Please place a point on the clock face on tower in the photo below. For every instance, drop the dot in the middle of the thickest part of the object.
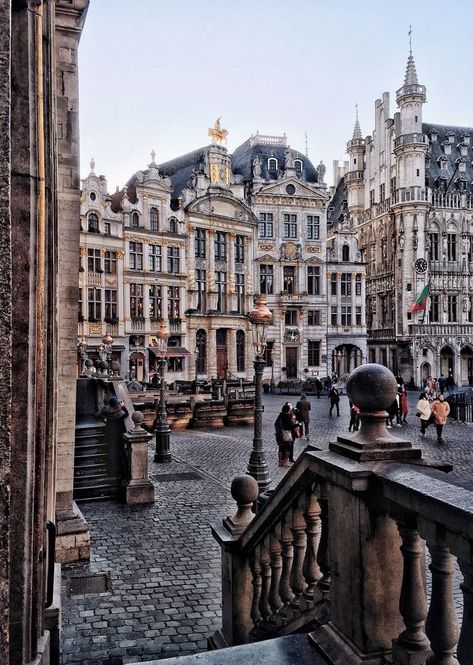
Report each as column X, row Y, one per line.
column 420, row 265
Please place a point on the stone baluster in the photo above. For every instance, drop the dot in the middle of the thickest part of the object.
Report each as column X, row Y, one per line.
column 300, row 542
column 465, row 643
column 310, row 568
column 256, row 572
column 323, row 553
column 285, row 591
column 442, row 626
column 275, row 553
column 265, row 565
column 413, row 601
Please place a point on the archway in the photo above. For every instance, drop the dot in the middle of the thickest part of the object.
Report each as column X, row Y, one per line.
column 447, row 361
column 466, row 366
column 345, row 358
column 136, row 366
column 426, row 371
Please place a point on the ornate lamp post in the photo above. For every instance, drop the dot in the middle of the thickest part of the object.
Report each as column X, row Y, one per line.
column 162, row 430
column 272, row 370
column 196, row 352
column 261, row 318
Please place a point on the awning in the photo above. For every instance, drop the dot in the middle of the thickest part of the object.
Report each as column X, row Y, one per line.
column 172, row 352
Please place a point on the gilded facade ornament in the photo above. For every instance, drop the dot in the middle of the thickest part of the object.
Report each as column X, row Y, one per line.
column 83, row 251
column 95, row 329
column 120, row 254
column 217, row 133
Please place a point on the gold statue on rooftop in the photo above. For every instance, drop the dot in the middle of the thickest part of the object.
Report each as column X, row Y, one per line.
column 218, row 134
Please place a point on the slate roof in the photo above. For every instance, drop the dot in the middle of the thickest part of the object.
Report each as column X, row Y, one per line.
column 243, row 156
column 181, row 168
column 338, row 204
column 436, row 149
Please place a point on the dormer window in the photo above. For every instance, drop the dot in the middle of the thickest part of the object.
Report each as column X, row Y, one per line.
column 135, row 219
column 463, row 149
column 466, row 139
column 298, row 165
column 443, row 162
column 345, row 253
column 433, row 135
column 461, row 166
column 450, row 137
column 92, row 196
column 447, row 147
column 272, row 164
column 173, row 225
column 153, row 219
column 93, row 223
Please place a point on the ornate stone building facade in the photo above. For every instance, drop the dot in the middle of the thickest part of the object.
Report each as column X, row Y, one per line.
column 191, row 242
column 407, row 192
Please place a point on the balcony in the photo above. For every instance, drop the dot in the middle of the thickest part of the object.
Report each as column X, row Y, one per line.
column 410, row 139
column 381, row 333
column 445, row 266
column 411, row 195
column 138, row 324
column 94, row 278
column 456, row 201
column 354, row 176
column 286, row 298
column 175, row 325
column 441, row 329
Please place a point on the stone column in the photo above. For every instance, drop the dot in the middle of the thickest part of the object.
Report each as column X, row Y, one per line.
column 72, row 530
column 231, row 290
column 137, row 488
column 231, row 351
column 339, row 299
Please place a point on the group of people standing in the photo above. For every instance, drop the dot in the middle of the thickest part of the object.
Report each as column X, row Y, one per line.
column 291, row 423
column 432, row 410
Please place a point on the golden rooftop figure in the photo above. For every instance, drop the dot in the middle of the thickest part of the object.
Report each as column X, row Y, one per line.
column 217, row 133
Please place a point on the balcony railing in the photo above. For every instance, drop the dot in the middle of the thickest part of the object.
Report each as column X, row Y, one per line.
column 410, row 139
column 381, row 333
column 441, row 329
column 95, row 278
column 292, row 298
column 369, row 526
column 175, row 325
column 411, row 194
column 352, row 176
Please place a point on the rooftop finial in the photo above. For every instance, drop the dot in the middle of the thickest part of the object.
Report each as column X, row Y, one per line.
column 153, row 156
column 411, row 74
column 357, row 129
column 306, row 145
column 218, row 134
column 410, row 39
column 92, row 165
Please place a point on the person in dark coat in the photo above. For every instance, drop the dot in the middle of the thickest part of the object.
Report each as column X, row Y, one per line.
column 302, row 414
column 318, row 387
column 284, row 428
column 115, row 414
column 334, row 398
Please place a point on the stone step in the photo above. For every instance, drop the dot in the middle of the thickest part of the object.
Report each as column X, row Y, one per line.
column 290, row 650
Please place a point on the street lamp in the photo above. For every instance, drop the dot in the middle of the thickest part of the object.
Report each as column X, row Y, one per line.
column 196, row 352
column 260, row 318
column 272, row 370
column 162, row 429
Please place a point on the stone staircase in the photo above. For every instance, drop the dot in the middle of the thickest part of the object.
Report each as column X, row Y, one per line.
column 91, row 479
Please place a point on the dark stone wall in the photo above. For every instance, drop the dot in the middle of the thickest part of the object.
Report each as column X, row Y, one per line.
column 5, row 324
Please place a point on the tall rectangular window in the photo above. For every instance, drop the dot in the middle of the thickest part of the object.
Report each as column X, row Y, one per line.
column 94, row 260
column 313, row 227
column 333, row 315
column 199, row 243
column 313, row 280
column 95, row 304
column 266, row 278
column 153, row 219
column 136, row 255
column 358, row 285
column 174, row 299
column 290, row 225
column 155, row 259
column 345, row 284
column 289, row 278
column 240, row 351
column 200, row 282
column 221, row 286
column 110, row 262
column 451, row 246
column 452, row 308
column 313, row 350
column 358, row 316
column 111, row 312
column 240, row 292
column 333, row 284
column 313, row 317
column 265, row 226
column 107, row 228
column 136, row 301
column 155, row 302
column 220, row 246
column 434, row 315
column 173, row 260
column 290, row 317
column 434, row 247
column 346, row 315
column 239, row 249
column 382, row 192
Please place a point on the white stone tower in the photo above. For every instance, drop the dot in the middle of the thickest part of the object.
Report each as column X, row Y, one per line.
column 355, row 174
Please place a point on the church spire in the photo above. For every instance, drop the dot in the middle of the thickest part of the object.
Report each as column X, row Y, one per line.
column 357, row 129
column 411, row 74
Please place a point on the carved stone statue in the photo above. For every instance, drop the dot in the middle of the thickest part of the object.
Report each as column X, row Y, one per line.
column 288, row 158
column 321, row 169
column 257, row 167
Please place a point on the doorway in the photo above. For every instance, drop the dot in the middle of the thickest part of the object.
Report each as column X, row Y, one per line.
column 222, row 356
column 291, row 362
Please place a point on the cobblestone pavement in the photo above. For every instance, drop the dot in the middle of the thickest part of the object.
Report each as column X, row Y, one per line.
column 163, row 563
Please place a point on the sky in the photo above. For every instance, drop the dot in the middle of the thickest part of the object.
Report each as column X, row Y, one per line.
column 156, row 74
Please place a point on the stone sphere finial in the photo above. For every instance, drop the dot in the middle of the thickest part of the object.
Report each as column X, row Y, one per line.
column 115, row 366
column 89, row 363
column 244, row 489
column 103, row 365
column 137, row 417
column 372, row 387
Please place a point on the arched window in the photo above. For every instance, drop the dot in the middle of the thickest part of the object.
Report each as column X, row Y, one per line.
column 173, row 225
column 135, row 219
column 298, row 165
column 345, row 253
column 201, row 348
column 272, row 164
column 240, row 351
column 153, row 219
column 93, row 221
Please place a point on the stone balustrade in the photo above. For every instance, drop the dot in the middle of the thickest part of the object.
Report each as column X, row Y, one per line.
column 341, row 545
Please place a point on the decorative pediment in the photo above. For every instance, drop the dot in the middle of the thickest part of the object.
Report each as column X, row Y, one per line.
column 266, row 258
column 222, row 206
column 293, row 187
column 313, row 260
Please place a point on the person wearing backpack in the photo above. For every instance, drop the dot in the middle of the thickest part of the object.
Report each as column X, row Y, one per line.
column 284, row 426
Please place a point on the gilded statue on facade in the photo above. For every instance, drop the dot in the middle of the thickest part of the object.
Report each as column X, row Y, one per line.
column 218, row 134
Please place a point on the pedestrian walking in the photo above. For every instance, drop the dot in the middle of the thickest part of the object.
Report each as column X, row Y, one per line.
column 442, row 383
column 354, row 418
column 440, row 409
column 318, row 387
column 302, row 414
column 334, row 398
column 404, row 405
column 284, row 426
column 450, row 382
column 424, row 412
column 296, row 429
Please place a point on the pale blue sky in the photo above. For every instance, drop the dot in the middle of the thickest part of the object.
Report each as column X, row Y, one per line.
column 156, row 74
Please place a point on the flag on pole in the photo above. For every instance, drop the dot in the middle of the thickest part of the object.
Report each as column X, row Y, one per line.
column 420, row 304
